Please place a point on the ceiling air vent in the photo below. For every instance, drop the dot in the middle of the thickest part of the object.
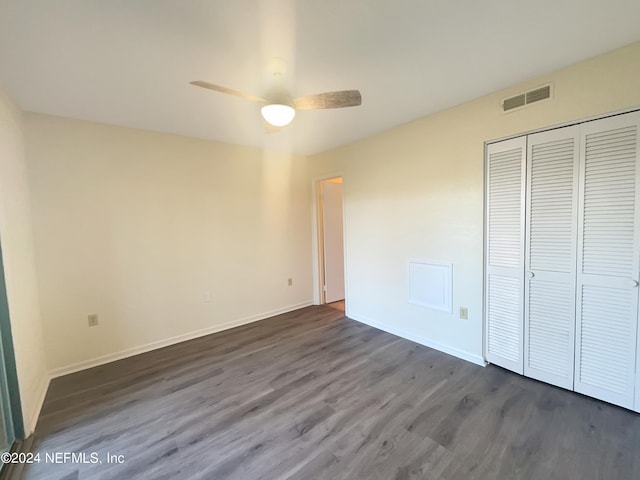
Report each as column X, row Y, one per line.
column 514, row 102
column 526, row 98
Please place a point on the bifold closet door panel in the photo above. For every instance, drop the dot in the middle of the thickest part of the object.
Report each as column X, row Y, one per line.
column 550, row 269
column 504, row 289
column 608, row 260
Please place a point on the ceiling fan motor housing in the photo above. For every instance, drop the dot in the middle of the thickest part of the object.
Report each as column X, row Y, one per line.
column 279, row 97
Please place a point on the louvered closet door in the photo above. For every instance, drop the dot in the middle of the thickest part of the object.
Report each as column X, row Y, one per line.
column 608, row 260
column 550, row 271
column 505, row 253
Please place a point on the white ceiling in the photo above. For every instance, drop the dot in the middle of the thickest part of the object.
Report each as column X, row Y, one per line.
column 128, row 62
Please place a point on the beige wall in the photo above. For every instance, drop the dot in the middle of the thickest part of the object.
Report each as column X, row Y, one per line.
column 19, row 268
column 137, row 226
column 417, row 192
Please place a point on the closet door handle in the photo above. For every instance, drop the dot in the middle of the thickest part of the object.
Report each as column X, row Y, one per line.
column 634, row 283
column 531, row 274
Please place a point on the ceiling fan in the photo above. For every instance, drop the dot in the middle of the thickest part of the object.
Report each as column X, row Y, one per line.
column 279, row 108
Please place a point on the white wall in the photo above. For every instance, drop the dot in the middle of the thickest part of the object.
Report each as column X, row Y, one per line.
column 136, row 226
column 417, row 192
column 19, row 268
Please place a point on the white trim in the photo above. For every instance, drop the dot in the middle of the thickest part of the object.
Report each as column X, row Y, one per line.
column 469, row 357
column 30, row 424
column 101, row 360
column 485, row 244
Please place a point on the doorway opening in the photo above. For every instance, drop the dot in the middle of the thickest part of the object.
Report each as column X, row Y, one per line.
column 331, row 242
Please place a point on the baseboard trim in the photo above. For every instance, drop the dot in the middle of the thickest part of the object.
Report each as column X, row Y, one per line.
column 130, row 352
column 35, row 415
column 469, row 357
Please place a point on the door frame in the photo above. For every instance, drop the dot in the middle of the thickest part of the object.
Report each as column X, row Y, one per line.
column 318, row 239
column 13, row 410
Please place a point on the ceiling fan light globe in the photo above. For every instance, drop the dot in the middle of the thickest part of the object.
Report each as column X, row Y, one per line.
column 277, row 114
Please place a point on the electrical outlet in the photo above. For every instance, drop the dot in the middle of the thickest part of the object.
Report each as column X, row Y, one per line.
column 290, row 282
column 93, row 320
column 464, row 313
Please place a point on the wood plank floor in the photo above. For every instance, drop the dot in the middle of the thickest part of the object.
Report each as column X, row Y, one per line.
column 314, row 395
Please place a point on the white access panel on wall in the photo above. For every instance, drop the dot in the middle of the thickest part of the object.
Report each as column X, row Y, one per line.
column 505, row 196
column 608, row 260
column 431, row 284
column 550, row 270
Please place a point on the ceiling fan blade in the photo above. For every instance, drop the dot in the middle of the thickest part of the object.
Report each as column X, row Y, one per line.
column 218, row 88
column 344, row 98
